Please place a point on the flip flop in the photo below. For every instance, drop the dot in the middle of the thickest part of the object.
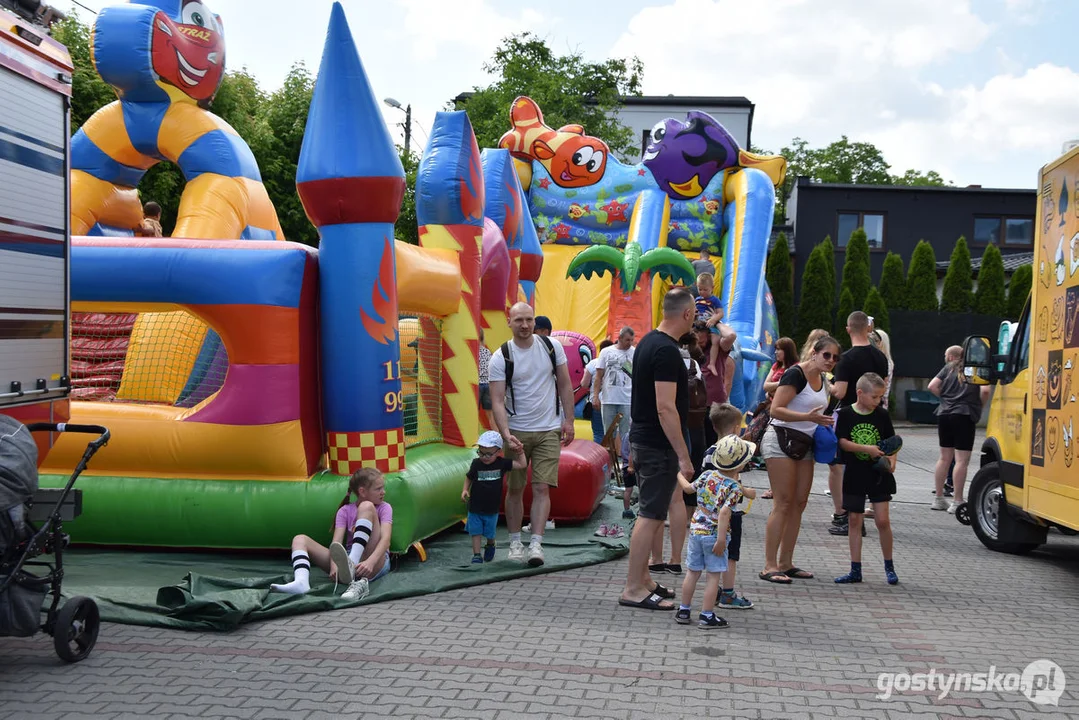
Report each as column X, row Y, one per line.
column 774, row 577
column 798, row 573
column 663, row 592
column 652, row 602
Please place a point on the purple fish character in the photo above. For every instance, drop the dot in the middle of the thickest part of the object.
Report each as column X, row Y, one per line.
column 684, row 156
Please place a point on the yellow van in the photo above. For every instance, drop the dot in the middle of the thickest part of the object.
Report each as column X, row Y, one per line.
column 1027, row 482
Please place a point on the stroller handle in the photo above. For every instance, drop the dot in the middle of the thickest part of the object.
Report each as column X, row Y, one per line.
column 102, row 432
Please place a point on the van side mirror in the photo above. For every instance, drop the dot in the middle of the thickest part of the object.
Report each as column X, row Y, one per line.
column 978, row 360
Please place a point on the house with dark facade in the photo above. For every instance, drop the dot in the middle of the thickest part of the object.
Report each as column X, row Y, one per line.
column 896, row 217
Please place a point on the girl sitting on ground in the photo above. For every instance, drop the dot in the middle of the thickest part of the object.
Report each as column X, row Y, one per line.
column 363, row 526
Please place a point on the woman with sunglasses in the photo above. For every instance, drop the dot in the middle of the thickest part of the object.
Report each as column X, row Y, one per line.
column 797, row 410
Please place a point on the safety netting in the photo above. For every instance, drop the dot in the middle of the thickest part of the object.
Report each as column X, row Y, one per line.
column 168, row 358
column 421, row 378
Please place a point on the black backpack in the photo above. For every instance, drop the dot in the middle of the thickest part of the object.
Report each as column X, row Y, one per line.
column 509, row 373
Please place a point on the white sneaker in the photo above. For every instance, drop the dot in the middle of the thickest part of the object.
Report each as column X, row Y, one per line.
column 339, row 557
column 535, row 555
column 952, row 506
column 939, row 503
column 517, row 551
column 357, row 590
column 527, row 529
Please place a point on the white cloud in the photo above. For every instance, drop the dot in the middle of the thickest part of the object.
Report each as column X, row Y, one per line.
column 877, row 72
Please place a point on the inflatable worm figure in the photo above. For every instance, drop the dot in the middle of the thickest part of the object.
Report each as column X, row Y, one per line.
column 166, row 60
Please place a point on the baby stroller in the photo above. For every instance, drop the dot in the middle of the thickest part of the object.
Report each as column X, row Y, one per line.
column 24, row 581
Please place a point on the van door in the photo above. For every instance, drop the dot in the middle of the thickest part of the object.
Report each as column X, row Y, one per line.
column 1009, row 409
column 1052, row 485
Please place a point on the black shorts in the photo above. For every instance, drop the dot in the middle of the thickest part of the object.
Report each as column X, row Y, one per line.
column 657, row 477
column 734, row 545
column 956, row 431
column 629, row 479
column 856, row 490
column 485, row 396
column 690, row 499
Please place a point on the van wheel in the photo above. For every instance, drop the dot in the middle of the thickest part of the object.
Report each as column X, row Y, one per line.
column 986, row 503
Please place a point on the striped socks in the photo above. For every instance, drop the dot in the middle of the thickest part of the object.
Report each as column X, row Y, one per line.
column 301, row 568
column 360, row 537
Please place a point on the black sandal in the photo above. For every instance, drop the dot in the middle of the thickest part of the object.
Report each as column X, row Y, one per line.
column 652, row 602
column 774, row 577
column 664, row 592
column 798, row 573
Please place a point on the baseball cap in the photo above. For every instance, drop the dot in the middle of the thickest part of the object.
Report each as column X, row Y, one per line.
column 543, row 323
column 732, row 453
column 490, row 439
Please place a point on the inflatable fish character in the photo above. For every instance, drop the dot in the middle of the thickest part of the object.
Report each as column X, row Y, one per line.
column 684, row 156
column 572, row 158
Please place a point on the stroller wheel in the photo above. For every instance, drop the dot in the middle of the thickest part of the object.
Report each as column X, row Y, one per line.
column 75, row 631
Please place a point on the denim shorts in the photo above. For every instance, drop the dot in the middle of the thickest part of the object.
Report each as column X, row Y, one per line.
column 484, row 525
column 699, row 555
column 385, row 569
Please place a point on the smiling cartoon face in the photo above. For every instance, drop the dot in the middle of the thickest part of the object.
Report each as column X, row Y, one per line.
column 579, row 352
column 577, row 161
column 685, row 156
column 189, row 53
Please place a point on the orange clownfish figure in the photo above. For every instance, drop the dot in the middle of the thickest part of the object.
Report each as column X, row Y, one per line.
column 572, row 158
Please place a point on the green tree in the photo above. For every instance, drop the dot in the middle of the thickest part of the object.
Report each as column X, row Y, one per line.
column 846, row 307
column 918, row 179
column 856, row 277
column 841, row 162
column 285, row 113
column 780, row 277
column 566, row 87
column 818, row 293
column 922, row 279
column 990, row 299
column 406, row 229
column 88, row 91
column 829, row 252
column 875, row 308
column 893, row 283
column 957, row 295
column 1019, row 290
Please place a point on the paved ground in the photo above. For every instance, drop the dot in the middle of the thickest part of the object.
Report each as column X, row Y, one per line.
column 558, row 646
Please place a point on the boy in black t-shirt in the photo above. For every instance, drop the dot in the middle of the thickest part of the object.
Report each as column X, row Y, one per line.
column 483, row 492
column 869, row 446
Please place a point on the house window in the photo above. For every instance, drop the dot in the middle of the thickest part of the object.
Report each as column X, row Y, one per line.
column 1004, row 231
column 872, row 223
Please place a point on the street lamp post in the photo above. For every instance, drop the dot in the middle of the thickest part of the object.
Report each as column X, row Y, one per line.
column 408, row 119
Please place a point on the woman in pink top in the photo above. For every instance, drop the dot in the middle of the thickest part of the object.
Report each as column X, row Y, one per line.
column 365, row 525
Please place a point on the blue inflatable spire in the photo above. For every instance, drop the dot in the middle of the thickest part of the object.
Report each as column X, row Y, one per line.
column 351, row 182
column 345, row 134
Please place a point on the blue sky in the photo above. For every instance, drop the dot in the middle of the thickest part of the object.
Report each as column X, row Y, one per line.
column 983, row 91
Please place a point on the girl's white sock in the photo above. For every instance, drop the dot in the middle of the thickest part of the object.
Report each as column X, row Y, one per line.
column 360, row 537
column 301, row 582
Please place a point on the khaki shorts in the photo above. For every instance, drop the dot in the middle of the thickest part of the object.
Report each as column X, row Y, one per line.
column 542, row 450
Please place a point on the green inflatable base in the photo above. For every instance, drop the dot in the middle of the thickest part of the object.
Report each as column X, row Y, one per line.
column 251, row 515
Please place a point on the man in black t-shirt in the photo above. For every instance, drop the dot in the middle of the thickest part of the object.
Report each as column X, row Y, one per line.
column 659, row 408
column 862, row 358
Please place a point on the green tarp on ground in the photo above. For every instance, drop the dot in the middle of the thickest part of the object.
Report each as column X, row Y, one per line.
column 191, row 591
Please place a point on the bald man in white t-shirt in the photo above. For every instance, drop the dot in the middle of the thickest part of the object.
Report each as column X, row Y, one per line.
column 535, row 417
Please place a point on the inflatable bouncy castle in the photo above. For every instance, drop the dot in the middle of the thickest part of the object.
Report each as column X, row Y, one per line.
column 634, row 224
column 245, row 377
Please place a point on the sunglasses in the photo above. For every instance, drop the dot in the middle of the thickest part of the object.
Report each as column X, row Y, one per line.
column 829, row 356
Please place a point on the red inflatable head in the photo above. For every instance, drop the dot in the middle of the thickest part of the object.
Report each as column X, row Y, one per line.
column 579, row 352
column 190, row 53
